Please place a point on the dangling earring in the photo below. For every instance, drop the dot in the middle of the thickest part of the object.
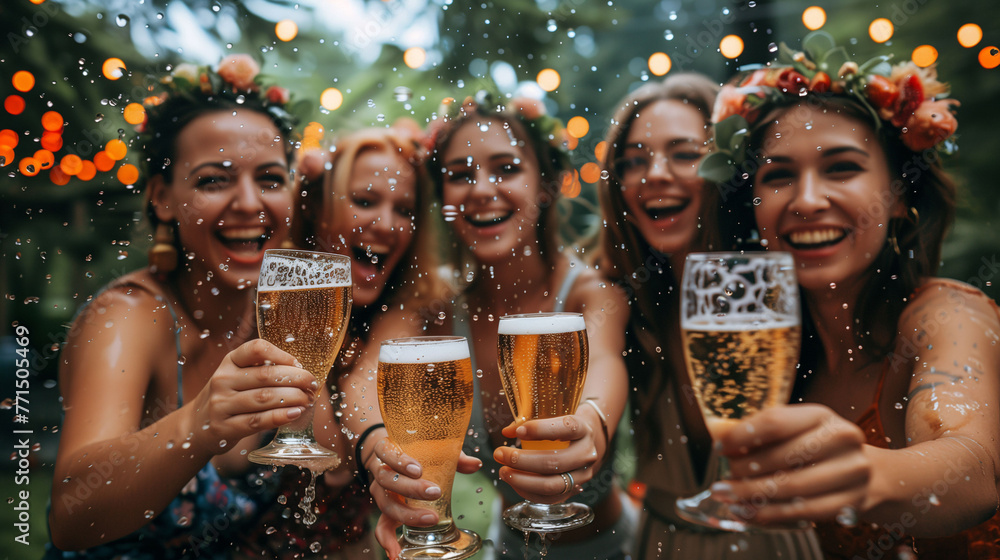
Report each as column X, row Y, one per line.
column 913, row 217
column 163, row 254
column 892, row 238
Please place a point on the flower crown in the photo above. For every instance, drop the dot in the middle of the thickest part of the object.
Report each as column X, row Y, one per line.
column 530, row 111
column 237, row 75
column 903, row 96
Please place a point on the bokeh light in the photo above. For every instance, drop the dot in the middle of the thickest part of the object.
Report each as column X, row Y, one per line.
column 14, row 104
column 52, row 141
column 590, row 172
column 924, row 55
column 88, row 171
column 103, row 162
column 6, row 155
column 601, row 150
column 578, row 127
column 414, row 57
column 880, row 30
column 969, row 35
column 331, row 99
column 659, row 63
column 813, row 17
column 731, row 46
column 116, row 149
column 52, row 121
column 134, row 113
column 58, row 176
column 989, row 57
column 71, row 164
column 548, row 79
column 29, row 167
column 23, row 81
column 113, row 68
column 286, row 30
column 45, row 159
column 128, row 174
column 8, row 138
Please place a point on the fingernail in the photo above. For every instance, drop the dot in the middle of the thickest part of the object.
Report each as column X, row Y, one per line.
column 298, row 364
column 434, row 492
column 427, row 518
column 314, row 385
column 413, row 470
column 723, row 492
column 521, row 431
column 295, row 412
column 514, row 456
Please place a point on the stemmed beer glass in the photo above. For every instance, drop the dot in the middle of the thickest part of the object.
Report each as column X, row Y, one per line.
column 425, row 396
column 543, row 361
column 742, row 332
column 303, row 307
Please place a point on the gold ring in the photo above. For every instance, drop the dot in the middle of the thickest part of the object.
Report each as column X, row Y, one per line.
column 568, row 481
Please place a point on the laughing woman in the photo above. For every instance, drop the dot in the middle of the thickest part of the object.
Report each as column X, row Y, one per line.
column 162, row 392
column 498, row 173
column 897, row 436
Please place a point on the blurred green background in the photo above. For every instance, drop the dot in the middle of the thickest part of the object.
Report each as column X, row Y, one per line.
column 60, row 243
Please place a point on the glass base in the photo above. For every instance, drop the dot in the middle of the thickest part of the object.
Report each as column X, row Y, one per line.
column 462, row 544
column 304, row 454
column 701, row 509
column 545, row 518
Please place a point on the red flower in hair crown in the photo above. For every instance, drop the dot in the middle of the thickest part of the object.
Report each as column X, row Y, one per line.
column 905, row 97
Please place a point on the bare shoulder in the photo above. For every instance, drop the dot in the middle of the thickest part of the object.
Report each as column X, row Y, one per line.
column 134, row 303
column 948, row 305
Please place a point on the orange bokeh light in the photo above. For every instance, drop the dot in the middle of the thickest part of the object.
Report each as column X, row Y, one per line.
column 45, row 158
column 52, row 121
column 6, row 155
column 989, row 57
column 813, row 17
column 286, row 30
column 113, row 68
column 601, row 150
column 578, row 127
column 924, row 55
column 548, row 79
column 969, row 35
column 880, row 30
column 128, row 174
column 14, row 104
column 52, row 141
column 58, row 176
column 23, row 80
column 134, row 113
column 8, row 138
column 103, row 161
column 88, row 171
column 590, row 172
column 659, row 63
column 331, row 99
column 71, row 164
column 116, row 149
column 414, row 57
column 731, row 46
column 29, row 166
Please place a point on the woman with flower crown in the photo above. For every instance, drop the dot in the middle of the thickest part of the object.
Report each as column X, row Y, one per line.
column 164, row 384
column 656, row 210
column 497, row 172
column 373, row 204
column 892, row 445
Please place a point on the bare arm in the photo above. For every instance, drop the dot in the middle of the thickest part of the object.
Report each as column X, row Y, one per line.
column 122, row 458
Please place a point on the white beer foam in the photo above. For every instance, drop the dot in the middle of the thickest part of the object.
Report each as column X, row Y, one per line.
column 287, row 273
column 542, row 324
column 417, row 351
column 738, row 323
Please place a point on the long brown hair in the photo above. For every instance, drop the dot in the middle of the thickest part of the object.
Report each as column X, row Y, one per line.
column 626, row 258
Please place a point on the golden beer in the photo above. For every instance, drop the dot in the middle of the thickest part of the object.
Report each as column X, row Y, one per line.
column 740, row 369
column 543, row 365
column 303, row 307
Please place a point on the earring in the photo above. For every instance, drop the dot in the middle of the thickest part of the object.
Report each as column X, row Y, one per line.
column 163, row 253
column 893, row 241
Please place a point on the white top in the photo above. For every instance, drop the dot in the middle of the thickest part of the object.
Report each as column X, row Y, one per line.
column 416, row 351
column 545, row 323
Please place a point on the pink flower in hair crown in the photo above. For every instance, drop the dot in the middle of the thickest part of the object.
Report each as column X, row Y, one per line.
column 931, row 123
column 239, row 70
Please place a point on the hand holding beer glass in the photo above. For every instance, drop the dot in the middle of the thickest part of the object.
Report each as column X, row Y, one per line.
column 303, row 306
column 425, row 396
column 543, row 366
column 741, row 329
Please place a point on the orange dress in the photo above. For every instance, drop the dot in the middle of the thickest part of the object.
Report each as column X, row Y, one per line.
column 873, row 541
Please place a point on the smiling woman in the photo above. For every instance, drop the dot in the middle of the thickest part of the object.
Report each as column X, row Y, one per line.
column 163, row 394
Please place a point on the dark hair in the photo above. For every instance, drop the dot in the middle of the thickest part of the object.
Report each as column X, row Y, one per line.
column 167, row 120
column 552, row 160
column 920, row 183
column 624, row 253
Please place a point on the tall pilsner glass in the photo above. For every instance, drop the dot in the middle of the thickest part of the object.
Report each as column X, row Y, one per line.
column 303, row 306
column 742, row 331
column 425, row 395
column 543, row 366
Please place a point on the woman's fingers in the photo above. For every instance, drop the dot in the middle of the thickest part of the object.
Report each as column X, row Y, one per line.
column 544, row 489
column 839, row 474
column 385, row 534
column 467, row 464
column 561, row 428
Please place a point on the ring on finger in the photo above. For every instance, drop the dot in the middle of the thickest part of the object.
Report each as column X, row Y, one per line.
column 567, row 481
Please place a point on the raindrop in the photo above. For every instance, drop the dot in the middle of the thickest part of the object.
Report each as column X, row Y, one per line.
column 99, row 117
column 402, row 93
column 271, row 530
column 315, row 546
column 672, row 16
column 833, row 285
column 184, row 521
column 934, row 500
column 756, row 201
column 170, row 445
column 371, row 103
column 551, row 26
column 668, row 35
column 182, row 360
column 847, row 516
column 899, row 406
column 149, row 514
column 380, row 117
column 282, row 500
column 222, row 443
column 122, row 20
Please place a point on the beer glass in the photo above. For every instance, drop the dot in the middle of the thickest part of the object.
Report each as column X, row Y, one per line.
column 303, row 307
column 425, row 395
column 543, row 365
column 741, row 334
